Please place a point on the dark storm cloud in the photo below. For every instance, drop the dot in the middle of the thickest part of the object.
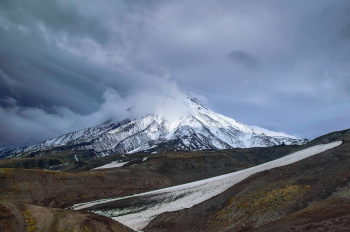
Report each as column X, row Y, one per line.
column 66, row 17
column 243, row 58
column 66, row 65
column 303, row 56
column 68, row 52
column 346, row 31
column 57, row 61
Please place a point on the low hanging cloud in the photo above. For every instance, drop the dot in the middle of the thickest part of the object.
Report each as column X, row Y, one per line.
column 23, row 125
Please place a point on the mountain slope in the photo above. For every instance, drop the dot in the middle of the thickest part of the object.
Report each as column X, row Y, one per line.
column 310, row 195
column 138, row 210
column 197, row 129
column 18, row 217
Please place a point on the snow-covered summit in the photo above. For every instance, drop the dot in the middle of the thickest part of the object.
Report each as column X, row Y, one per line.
column 193, row 127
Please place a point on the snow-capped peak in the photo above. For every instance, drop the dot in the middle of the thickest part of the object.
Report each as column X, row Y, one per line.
column 178, row 125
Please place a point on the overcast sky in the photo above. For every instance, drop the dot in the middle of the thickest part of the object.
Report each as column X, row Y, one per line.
column 69, row 64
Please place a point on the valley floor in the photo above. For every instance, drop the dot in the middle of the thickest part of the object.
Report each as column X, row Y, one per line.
column 138, row 210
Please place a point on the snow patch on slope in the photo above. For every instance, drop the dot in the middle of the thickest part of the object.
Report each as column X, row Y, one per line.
column 114, row 164
column 273, row 133
column 186, row 195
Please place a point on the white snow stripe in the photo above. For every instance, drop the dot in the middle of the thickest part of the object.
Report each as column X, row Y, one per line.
column 114, row 164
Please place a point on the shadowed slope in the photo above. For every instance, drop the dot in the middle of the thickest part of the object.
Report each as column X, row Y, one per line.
column 273, row 194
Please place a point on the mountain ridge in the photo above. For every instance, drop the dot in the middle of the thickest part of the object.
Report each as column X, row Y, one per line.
column 199, row 128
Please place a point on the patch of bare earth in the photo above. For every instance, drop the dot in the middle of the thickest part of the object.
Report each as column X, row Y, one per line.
column 329, row 215
column 24, row 217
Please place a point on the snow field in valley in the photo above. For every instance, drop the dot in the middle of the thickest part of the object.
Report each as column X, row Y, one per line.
column 144, row 207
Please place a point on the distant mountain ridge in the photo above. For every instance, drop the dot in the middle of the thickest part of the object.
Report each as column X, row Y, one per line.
column 200, row 128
